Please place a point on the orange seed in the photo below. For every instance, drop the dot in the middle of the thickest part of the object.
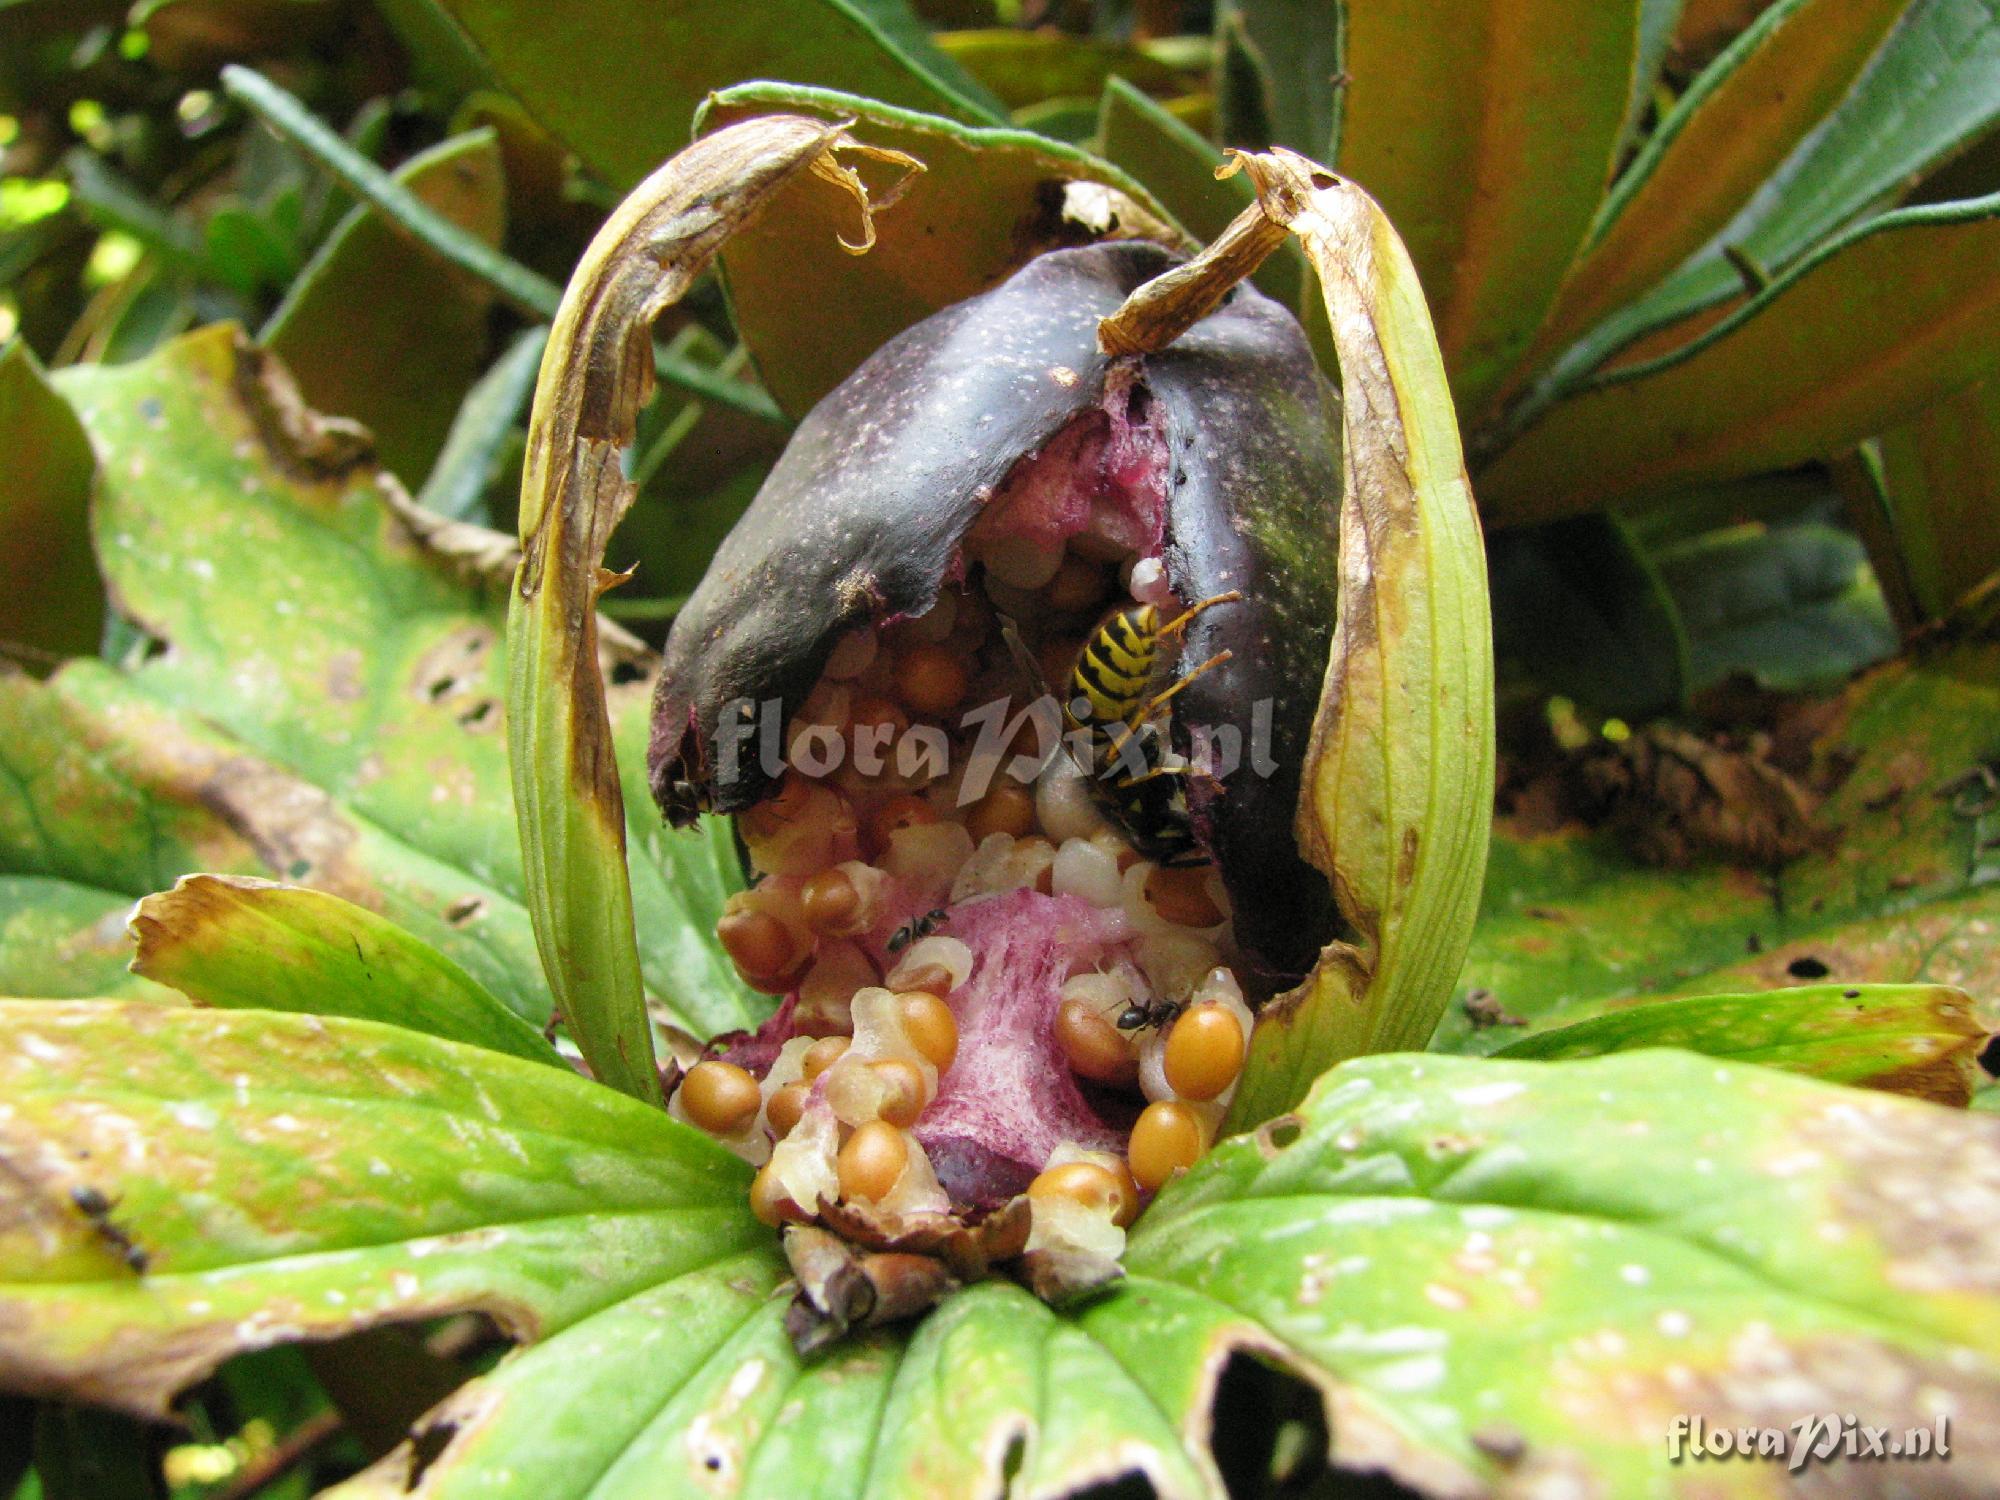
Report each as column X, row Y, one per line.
column 871, row 1161
column 1166, row 1139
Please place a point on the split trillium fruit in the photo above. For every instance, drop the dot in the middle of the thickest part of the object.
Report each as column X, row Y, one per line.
column 1008, row 674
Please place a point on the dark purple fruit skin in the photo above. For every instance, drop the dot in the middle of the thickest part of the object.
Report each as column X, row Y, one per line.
column 863, row 516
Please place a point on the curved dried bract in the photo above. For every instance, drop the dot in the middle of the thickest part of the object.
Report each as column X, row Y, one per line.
column 596, row 375
column 1399, row 781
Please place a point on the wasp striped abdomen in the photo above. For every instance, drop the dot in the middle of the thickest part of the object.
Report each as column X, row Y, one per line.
column 1136, row 779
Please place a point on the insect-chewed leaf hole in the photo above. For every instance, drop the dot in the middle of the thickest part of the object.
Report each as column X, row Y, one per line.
column 1268, row 1430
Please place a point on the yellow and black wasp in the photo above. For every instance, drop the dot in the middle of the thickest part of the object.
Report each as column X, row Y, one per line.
column 1136, row 780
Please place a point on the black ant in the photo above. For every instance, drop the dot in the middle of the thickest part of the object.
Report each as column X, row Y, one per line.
column 922, row 927
column 96, row 1208
column 1149, row 1013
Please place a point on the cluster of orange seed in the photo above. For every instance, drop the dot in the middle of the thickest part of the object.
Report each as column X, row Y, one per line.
column 857, row 872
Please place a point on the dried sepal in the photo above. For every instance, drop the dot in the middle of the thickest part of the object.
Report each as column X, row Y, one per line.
column 1398, row 783
column 596, row 375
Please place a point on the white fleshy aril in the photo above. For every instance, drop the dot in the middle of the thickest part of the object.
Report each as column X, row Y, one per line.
column 803, row 1163
column 1149, row 584
column 852, row 655
column 1086, row 869
column 987, row 871
column 917, row 1189
column 1002, row 863
column 1175, row 960
column 836, row 973
column 1146, row 917
column 1153, row 1065
column 1220, row 987
column 751, row 1142
column 787, row 1067
column 1064, row 1224
column 1217, row 987
column 853, row 1089
column 1132, row 896
column 870, row 886
column 1106, row 994
column 925, row 858
column 938, row 950
column 1063, row 802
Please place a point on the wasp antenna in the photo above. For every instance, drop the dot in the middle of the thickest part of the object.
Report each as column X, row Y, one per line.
column 1180, row 621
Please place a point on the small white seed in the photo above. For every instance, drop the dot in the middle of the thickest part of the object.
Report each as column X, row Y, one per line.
column 936, row 951
column 1063, row 802
column 1085, row 869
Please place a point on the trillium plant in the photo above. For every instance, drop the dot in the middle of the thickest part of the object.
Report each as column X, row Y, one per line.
column 1015, row 986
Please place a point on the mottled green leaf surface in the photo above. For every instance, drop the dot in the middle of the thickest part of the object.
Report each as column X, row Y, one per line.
column 1904, row 887
column 64, row 941
column 1917, row 1039
column 303, row 1176
column 811, row 311
column 244, row 944
column 104, row 786
column 1443, row 1246
column 1559, row 1260
column 51, row 602
column 360, row 666
column 649, row 67
column 381, row 329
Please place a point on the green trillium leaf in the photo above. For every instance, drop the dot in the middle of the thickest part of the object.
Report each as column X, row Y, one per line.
column 254, row 945
column 185, row 1184
column 1440, row 1246
column 66, row 941
column 51, row 603
column 110, row 789
column 1917, row 1039
column 359, row 747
